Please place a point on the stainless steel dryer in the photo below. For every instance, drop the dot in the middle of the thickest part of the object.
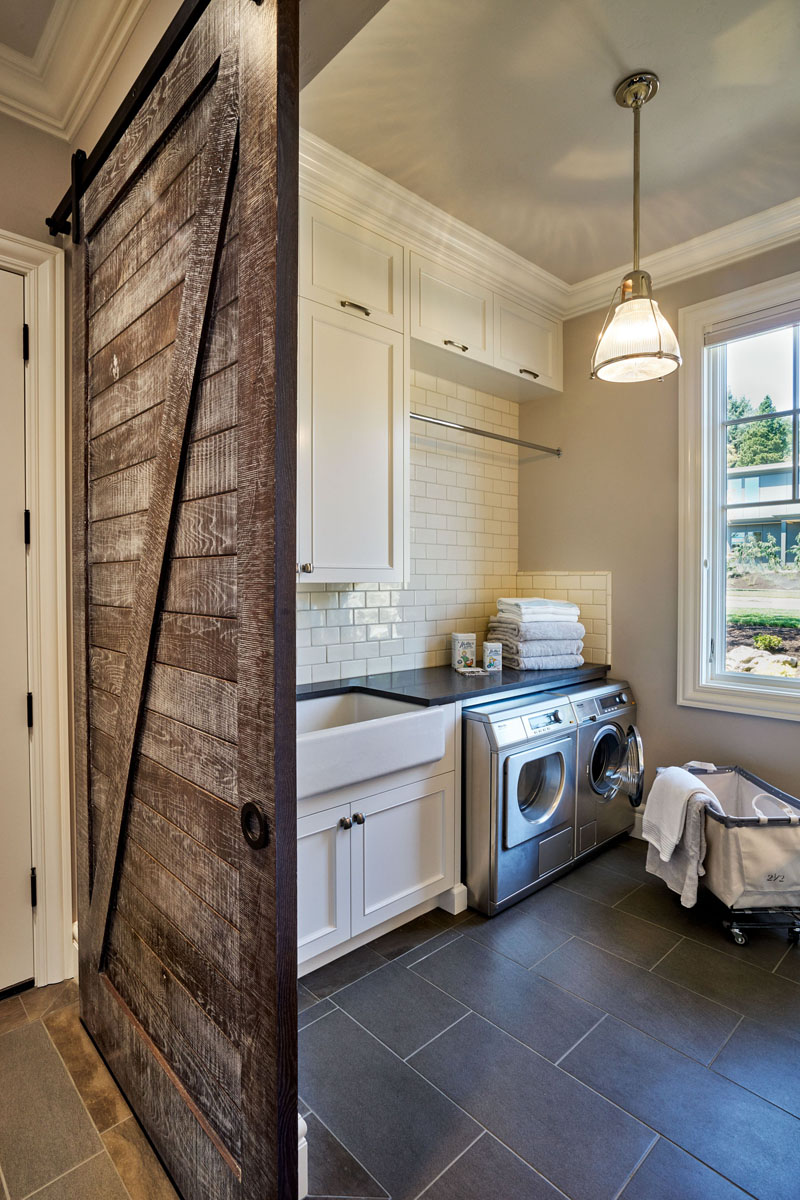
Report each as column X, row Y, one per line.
column 519, row 785
column 610, row 762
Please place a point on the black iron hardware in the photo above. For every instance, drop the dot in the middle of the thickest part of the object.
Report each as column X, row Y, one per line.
column 254, row 826
column 26, row 523
column 526, row 371
column 34, row 897
column 76, row 191
column 29, row 702
column 26, row 343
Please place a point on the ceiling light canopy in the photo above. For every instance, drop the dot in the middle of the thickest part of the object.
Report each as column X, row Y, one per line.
column 636, row 342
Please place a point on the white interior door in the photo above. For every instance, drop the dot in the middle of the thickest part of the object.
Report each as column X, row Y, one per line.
column 16, row 916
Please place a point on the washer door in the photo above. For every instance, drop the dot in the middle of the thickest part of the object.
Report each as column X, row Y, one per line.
column 616, row 763
column 535, row 793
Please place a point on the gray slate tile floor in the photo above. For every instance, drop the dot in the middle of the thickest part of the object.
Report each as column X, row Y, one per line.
column 596, row 1041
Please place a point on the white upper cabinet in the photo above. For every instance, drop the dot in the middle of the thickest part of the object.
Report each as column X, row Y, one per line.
column 451, row 310
column 527, row 344
column 351, row 455
column 347, row 266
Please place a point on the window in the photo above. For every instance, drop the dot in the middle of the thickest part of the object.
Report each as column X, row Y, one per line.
column 739, row 622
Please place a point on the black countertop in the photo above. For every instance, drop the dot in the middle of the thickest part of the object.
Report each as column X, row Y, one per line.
column 443, row 685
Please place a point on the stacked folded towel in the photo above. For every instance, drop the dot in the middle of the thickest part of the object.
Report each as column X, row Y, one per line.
column 538, row 634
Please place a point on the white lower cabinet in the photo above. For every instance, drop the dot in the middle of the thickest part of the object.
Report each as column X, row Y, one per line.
column 360, row 864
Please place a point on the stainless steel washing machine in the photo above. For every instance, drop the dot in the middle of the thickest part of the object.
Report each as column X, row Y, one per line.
column 610, row 762
column 519, row 784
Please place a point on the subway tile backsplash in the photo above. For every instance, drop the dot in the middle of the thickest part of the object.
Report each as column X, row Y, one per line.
column 464, row 522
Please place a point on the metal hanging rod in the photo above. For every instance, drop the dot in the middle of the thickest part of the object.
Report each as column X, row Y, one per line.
column 498, row 437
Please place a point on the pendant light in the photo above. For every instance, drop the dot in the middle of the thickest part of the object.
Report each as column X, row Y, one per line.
column 636, row 342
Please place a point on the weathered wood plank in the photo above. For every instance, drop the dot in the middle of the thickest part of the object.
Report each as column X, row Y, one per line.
column 198, row 643
column 158, row 275
column 206, row 527
column 103, row 711
column 125, row 492
column 202, row 585
column 108, row 627
column 204, row 817
column 222, row 1114
column 195, row 699
column 211, row 466
column 141, row 388
column 214, row 881
column 218, row 1056
column 124, row 445
column 173, row 209
column 215, row 407
column 228, row 281
column 215, row 994
column 105, row 669
column 117, row 539
column 113, row 583
column 149, row 333
column 202, row 759
column 213, row 936
column 221, row 348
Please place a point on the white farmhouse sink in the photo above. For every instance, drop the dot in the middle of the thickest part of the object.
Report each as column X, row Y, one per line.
column 349, row 738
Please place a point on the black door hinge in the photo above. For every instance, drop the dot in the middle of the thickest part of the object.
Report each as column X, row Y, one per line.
column 27, row 526
column 30, row 710
column 26, row 342
column 33, row 887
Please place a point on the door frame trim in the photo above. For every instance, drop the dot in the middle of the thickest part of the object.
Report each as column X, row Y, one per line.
column 42, row 269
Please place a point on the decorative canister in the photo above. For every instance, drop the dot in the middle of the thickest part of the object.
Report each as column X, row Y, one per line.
column 493, row 656
column 463, row 649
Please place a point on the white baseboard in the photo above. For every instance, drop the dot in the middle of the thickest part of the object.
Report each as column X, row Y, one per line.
column 302, row 1159
column 455, row 900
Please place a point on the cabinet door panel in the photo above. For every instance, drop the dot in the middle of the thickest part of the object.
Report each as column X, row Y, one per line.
column 448, row 307
column 403, row 852
column 526, row 342
column 345, row 265
column 323, row 882
column 351, row 423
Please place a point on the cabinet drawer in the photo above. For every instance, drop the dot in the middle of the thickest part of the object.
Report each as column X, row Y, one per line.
column 323, row 882
column 403, row 852
column 450, row 310
column 349, row 267
column 526, row 343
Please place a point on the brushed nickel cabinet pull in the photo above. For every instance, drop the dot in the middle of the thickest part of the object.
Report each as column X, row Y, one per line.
column 352, row 304
column 525, row 371
column 455, row 345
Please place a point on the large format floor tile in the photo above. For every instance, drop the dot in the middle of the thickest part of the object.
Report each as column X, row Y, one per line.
column 402, row 1130
column 655, row 902
column 313, row 1012
column 682, row 1019
column 89, row 1074
column 400, row 1008
column 628, row 857
column 599, row 882
column 94, row 1180
column 489, row 1169
column 749, row 1141
column 638, row 941
column 517, row 934
column 332, row 1170
column 44, row 1128
column 765, row 1062
column 748, row 990
column 136, row 1162
column 337, row 974
column 530, row 1008
column 669, row 1173
column 575, row 1138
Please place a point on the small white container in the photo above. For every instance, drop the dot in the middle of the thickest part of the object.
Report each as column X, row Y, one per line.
column 463, row 646
column 493, row 656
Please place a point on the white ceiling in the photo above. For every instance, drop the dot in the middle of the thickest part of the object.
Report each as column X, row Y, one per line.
column 22, row 23
column 502, row 114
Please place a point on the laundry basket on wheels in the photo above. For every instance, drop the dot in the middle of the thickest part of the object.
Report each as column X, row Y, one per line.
column 752, row 861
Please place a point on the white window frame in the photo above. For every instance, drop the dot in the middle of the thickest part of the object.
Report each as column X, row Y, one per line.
column 702, row 680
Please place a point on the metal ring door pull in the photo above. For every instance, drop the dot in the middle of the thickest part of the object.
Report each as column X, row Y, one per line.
column 254, row 826
column 359, row 818
column 456, row 345
column 345, row 823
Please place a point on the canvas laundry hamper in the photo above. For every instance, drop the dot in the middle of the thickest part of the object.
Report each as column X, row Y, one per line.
column 753, row 850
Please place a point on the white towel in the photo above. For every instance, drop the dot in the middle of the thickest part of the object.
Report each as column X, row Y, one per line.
column 529, row 631
column 553, row 662
column 685, row 866
column 665, row 810
column 539, row 649
column 531, row 608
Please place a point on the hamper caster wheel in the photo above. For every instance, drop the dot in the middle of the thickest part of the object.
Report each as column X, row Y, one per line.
column 739, row 937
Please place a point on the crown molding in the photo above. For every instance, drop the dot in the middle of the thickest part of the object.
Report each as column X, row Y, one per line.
column 331, row 177
column 55, row 89
column 767, row 230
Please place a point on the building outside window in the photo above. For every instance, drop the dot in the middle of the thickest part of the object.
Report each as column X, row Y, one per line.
column 739, row 628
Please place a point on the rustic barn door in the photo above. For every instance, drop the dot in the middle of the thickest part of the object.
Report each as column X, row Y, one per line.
column 184, row 319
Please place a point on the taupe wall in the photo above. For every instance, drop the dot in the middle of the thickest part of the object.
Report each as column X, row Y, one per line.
column 611, row 503
column 35, row 176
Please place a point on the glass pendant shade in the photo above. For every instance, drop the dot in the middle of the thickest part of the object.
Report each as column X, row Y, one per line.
column 636, row 344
